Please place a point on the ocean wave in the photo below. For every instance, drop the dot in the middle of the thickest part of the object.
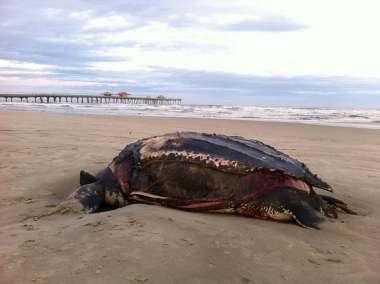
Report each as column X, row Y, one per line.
column 365, row 118
column 358, row 116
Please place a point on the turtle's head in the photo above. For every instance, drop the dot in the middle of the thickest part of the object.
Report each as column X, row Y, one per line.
column 88, row 197
column 111, row 195
column 95, row 193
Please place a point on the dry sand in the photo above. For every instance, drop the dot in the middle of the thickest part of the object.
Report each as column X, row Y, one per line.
column 41, row 155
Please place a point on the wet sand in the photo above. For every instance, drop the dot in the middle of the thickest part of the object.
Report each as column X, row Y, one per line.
column 41, row 155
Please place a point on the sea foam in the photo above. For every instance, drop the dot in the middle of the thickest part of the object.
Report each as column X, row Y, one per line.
column 363, row 118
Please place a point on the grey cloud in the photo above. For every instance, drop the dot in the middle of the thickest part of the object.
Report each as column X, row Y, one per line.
column 53, row 53
column 223, row 88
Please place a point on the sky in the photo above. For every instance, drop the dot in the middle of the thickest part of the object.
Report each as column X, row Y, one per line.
column 269, row 52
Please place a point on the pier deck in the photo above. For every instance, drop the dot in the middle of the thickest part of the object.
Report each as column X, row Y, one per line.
column 85, row 99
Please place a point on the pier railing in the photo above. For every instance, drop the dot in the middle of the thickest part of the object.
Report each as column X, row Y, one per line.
column 85, row 99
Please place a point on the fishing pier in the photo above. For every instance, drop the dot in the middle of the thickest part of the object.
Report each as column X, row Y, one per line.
column 86, row 99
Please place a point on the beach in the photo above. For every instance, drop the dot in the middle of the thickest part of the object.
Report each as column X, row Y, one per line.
column 41, row 155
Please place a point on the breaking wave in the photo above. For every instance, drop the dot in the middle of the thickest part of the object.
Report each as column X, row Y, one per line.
column 363, row 118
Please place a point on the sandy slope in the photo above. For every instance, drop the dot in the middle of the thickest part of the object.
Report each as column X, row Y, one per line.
column 40, row 158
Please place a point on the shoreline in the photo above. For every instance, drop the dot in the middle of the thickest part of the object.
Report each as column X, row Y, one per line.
column 42, row 154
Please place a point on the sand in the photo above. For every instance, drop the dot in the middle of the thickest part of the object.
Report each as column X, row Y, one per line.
column 41, row 155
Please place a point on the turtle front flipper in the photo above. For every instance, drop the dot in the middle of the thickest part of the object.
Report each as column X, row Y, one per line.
column 196, row 205
column 147, row 198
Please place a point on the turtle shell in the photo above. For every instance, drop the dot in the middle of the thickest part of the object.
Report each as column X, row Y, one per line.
column 231, row 154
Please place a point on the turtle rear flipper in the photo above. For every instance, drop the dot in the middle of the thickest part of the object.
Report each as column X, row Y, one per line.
column 303, row 214
column 292, row 202
column 333, row 205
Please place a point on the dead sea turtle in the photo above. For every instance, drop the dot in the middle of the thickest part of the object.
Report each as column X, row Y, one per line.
column 209, row 173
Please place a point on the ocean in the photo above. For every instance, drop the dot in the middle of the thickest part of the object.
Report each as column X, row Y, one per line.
column 348, row 117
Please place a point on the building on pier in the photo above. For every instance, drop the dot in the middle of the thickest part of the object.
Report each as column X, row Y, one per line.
column 123, row 95
column 107, row 94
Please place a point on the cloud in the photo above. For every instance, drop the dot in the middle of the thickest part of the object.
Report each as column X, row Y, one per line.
column 109, row 23
column 23, row 65
column 206, row 51
column 265, row 24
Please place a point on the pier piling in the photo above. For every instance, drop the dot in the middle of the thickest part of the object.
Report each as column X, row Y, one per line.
column 89, row 99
